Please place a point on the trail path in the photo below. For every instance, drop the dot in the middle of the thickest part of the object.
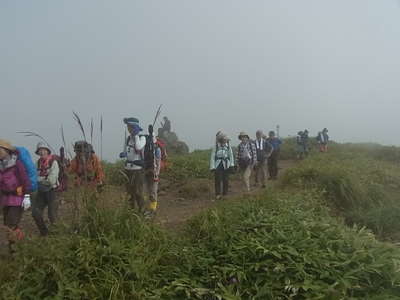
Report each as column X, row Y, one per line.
column 174, row 210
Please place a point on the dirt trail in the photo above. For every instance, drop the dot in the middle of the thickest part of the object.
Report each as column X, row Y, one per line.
column 173, row 209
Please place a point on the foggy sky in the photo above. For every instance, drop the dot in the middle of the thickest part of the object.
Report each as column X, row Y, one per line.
column 225, row 64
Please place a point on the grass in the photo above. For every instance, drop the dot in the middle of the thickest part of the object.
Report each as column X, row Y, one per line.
column 286, row 243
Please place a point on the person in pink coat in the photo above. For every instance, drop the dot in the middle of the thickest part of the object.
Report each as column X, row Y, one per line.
column 14, row 184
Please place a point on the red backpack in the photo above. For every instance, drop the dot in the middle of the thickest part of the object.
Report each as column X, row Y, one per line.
column 163, row 147
column 62, row 175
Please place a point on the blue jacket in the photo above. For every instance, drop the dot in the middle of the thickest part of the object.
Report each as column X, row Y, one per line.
column 275, row 143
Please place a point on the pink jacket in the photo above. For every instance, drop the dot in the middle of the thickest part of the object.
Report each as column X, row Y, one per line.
column 11, row 178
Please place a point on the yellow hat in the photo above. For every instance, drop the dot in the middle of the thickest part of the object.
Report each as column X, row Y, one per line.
column 7, row 145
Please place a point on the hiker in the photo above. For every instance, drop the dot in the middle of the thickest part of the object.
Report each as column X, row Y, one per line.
column 134, row 163
column 323, row 139
column 86, row 166
column 300, row 145
column 165, row 127
column 306, row 141
column 273, row 158
column 246, row 157
column 221, row 163
column 153, row 163
column 263, row 150
column 14, row 189
column 48, row 174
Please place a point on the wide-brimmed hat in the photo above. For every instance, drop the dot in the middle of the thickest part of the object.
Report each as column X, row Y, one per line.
column 134, row 123
column 42, row 145
column 242, row 134
column 7, row 145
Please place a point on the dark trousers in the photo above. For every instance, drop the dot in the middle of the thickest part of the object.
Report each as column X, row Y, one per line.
column 221, row 178
column 134, row 188
column 12, row 216
column 273, row 165
column 41, row 201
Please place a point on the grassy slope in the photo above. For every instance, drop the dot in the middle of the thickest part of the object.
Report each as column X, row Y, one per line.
column 283, row 244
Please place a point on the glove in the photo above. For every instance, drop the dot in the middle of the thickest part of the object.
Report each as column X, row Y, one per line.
column 19, row 191
column 26, row 203
column 122, row 155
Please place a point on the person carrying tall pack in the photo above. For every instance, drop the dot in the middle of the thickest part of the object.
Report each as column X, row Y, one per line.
column 273, row 158
column 153, row 154
column 14, row 188
column 134, row 163
column 221, row 163
column 264, row 151
column 246, row 158
column 48, row 174
column 306, row 141
column 323, row 139
column 300, row 145
column 86, row 166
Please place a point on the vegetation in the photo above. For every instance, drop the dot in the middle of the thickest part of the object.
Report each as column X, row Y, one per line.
column 285, row 243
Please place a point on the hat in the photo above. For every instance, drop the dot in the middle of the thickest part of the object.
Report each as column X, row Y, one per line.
column 260, row 132
column 7, row 145
column 82, row 146
column 131, row 121
column 222, row 136
column 242, row 134
column 271, row 133
column 42, row 145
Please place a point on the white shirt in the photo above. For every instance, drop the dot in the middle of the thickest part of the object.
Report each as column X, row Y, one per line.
column 135, row 151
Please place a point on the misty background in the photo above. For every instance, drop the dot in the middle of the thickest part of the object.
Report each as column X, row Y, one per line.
column 230, row 65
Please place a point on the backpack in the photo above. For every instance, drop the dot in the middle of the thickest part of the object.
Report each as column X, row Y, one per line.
column 245, row 156
column 25, row 157
column 163, row 147
column 62, row 175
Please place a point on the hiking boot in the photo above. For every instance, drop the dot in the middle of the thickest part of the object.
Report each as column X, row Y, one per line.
column 149, row 214
column 218, row 197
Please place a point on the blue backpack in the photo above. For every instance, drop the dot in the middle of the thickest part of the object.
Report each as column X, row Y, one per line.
column 25, row 157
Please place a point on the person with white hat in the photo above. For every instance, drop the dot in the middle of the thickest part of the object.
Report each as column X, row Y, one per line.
column 246, row 157
column 48, row 171
column 221, row 163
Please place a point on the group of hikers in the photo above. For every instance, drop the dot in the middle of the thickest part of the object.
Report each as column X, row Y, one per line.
column 303, row 146
column 20, row 177
column 259, row 155
column 144, row 157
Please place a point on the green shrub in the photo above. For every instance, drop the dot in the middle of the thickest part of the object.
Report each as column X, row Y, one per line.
column 361, row 189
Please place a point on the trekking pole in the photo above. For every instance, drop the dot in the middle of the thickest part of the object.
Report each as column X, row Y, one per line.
column 101, row 138
column 157, row 115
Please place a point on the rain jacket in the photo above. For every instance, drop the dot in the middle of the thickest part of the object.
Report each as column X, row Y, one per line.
column 93, row 171
column 12, row 176
column 222, row 153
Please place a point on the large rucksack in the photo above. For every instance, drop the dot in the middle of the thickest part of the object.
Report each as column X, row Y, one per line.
column 25, row 157
column 164, row 156
column 62, row 175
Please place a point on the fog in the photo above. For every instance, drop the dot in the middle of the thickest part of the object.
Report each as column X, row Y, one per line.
column 230, row 65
